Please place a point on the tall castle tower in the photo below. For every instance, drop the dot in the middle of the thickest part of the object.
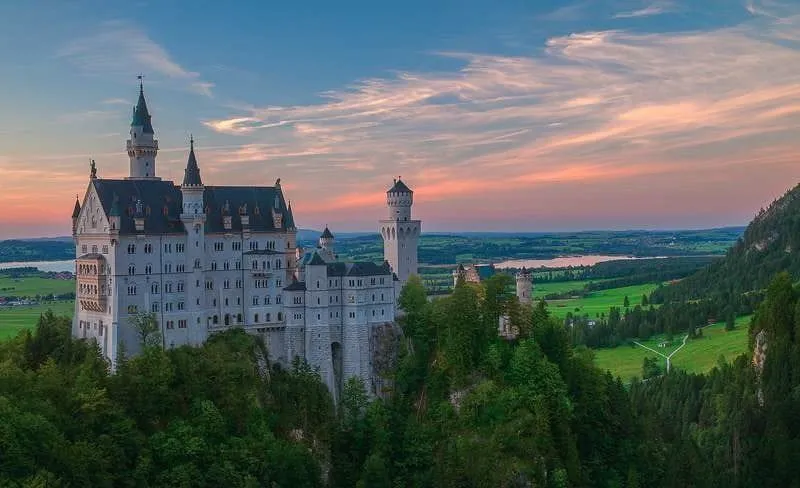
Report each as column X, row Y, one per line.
column 142, row 146
column 400, row 233
column 524, row 286
column 193, row 217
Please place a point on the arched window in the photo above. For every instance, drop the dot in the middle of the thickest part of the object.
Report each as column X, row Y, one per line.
column 227, row 319
column 238, row 318
column 215, row 320
column 255, row 318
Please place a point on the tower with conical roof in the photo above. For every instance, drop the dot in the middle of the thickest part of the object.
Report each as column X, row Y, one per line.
column 399, row 232
column 193, row 216
column 142, row 146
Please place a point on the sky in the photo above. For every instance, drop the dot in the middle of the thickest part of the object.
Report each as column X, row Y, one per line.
column 501, row 115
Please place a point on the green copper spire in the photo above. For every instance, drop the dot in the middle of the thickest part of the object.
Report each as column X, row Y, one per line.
column 141, row 117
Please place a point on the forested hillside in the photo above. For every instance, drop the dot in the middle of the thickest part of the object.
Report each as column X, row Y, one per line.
column 770, row 244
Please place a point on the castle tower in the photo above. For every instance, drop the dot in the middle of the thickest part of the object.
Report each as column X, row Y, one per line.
column 193, row 217
column 400, row 234
column 524, row 286
column 142, row 146
column 326, row 242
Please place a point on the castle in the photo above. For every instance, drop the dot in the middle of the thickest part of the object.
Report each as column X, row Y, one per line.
column 205, row 259
column 523, row 286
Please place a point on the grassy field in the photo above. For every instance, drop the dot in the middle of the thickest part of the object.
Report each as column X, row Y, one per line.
column 698, row 356
column 600, row 301
column 540, row 290
column 15, row 319
column 702, row 354
column 32, row 286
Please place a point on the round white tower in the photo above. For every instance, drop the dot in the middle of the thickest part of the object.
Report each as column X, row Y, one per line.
column 524, row 286
column 142, row 146
column 400, row 234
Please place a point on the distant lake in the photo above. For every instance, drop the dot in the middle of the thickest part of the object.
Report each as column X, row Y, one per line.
column 564, row 261
column 52, row 266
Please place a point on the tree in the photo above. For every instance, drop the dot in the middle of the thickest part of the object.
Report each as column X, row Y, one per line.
column 626, row 303
column 147, row 329
column 730, row 322
column 644, row 300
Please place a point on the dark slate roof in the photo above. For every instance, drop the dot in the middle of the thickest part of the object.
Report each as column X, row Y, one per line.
column 161, row 203
column 326, row 234
column 76, row 211
column 156, row 196
column 259, row 199
column 261, row 252
column 316, row 260
column 141, row 117
column 399, row 187
column 359, row 268
column 191, row 176
column 296, row 286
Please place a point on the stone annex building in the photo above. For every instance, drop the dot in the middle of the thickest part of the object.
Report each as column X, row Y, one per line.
column 208, row 258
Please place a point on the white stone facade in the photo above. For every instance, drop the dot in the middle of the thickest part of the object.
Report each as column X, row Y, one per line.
column 209, row 258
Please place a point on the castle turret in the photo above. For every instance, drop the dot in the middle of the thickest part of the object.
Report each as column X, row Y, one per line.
column 326, row 243
column 400, row 234
column 524, row 286
column 76, row 212
column 193, row 217
column 142, row 146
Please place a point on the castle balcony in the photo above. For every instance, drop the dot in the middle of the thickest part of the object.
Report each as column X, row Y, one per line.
column 91, row 282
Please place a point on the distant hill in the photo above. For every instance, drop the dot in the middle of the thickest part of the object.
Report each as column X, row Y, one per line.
column 769, row 245
column 48, row 249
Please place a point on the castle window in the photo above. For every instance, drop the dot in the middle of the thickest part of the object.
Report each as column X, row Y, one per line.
column 170, row 324
column 238, row 283
column 148, row 269
column 319, row 317
column 154, row 307
column 226, row 265
column 278, row 300
column 255, row 302
column 182, row 324
column 83, row 249
column 226, row 284
column 214, row 302
column 237, row 246
column 373, row 297
column 268, row 317
column 277, row 264
column 215, row 320
column 180, row 306
column 266, row 300
column 168, row 307
column 317, row 283
column 238, row 318
column 238, row 264
column 180, row 286
column 180, row 247
column 227, row 319
column 105, row 249
column 131, row 270
column 373, row 313
column 197, row 263
column 280, row 316
column 372, row 281
column 213, row 265
column 318, row 301
column 255, row 264
column 154, row 288
column 255, row 318
column 94, row 249
column 226, row 302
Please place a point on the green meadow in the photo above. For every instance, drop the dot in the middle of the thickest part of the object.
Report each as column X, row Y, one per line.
column 697, row 356
column 31, row 286
column 15, row 319
column 600, row 301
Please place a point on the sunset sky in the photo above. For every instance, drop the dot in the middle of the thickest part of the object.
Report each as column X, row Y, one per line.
column 500, row 115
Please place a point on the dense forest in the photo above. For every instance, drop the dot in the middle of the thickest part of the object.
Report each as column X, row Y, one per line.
column 468, row 408
column 37, row 250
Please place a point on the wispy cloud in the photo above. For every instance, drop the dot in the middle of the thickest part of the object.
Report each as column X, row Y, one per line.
column 122, row 48
column 567, row 13
column 588, row 108
column 656, row 8
column 116, row 101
